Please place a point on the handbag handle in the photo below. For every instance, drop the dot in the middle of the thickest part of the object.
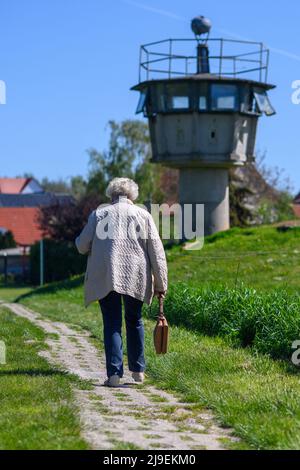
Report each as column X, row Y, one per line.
column 161, row 307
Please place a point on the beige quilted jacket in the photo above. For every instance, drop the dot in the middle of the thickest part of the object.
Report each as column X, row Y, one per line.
column 125, row 253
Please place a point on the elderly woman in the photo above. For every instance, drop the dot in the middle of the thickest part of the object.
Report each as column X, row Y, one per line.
column 126, row 261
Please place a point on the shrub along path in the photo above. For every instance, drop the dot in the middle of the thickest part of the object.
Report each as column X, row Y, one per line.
column 130, row 416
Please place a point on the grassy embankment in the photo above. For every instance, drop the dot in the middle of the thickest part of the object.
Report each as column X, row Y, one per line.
column 262, row 258
column 250, row 392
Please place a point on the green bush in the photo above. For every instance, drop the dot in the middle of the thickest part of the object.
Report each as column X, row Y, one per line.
column 268, row 322
column 276, row 211
column 7, row 240
column 11, row 279
column 61, row 260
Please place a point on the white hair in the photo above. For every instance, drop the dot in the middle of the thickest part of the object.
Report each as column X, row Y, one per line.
column 119, row 187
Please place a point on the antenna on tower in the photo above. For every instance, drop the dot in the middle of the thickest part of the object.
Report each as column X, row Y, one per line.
column 201, row 26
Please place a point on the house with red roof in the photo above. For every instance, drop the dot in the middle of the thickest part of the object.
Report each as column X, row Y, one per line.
column 21, row 200
column 20, row 186
column 296, row 205
column 22, row 222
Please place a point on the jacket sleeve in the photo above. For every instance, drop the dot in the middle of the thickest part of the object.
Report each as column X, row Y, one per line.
column 157, row 258
column 85, row 239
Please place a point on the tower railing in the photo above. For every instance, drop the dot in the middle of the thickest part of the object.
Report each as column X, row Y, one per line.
column 170, row 58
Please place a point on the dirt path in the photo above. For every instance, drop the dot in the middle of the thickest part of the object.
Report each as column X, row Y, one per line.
column 143, row 416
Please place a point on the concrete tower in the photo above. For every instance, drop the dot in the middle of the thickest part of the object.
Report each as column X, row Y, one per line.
column 203, row 111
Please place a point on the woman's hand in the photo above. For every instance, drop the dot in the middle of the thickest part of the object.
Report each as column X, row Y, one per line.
column 159, row 294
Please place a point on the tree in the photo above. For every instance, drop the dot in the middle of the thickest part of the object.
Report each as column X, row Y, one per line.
column 128, row 147
column 97, row 180
column 63, row 223
column 26, row 175
column 274, row 176
column 128, row 155
column 148, row 177
column 240, row 214
column 7, row 240
column 78, row 187
column 55, row 186
column 259, row 194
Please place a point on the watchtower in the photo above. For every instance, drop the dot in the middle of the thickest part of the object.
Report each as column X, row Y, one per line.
column 203, row 109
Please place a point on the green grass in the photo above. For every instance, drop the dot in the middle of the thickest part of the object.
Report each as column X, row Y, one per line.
column 37, row 410
column 269, row 322
column 253, row 394
column 263, row 258
column 250, row 392
column 9, row 293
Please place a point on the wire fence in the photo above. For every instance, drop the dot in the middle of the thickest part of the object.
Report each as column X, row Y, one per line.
column 258, row 269
column 236, row 256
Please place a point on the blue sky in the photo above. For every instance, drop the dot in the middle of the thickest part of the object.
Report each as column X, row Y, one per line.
column 68, row 66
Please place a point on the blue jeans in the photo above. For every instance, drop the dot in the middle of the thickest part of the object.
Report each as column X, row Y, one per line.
column 111, row 307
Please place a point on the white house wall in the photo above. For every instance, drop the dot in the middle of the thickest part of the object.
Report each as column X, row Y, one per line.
column 32, row 187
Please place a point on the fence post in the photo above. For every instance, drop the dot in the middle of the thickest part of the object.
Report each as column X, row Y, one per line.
column 5, row 269
column 41, row 263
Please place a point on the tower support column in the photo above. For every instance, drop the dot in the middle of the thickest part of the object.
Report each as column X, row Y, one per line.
column 208, row 186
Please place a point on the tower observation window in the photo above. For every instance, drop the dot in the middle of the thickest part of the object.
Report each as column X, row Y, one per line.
column 142, row 102
column 202, row 91
column 203, row 97
column 202, row 103
column 180, row 102
column 224, row 97
column 178, row 97
column 263, row 103
column 251, row 106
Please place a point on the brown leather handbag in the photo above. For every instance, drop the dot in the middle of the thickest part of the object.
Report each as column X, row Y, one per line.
column 161, row 331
